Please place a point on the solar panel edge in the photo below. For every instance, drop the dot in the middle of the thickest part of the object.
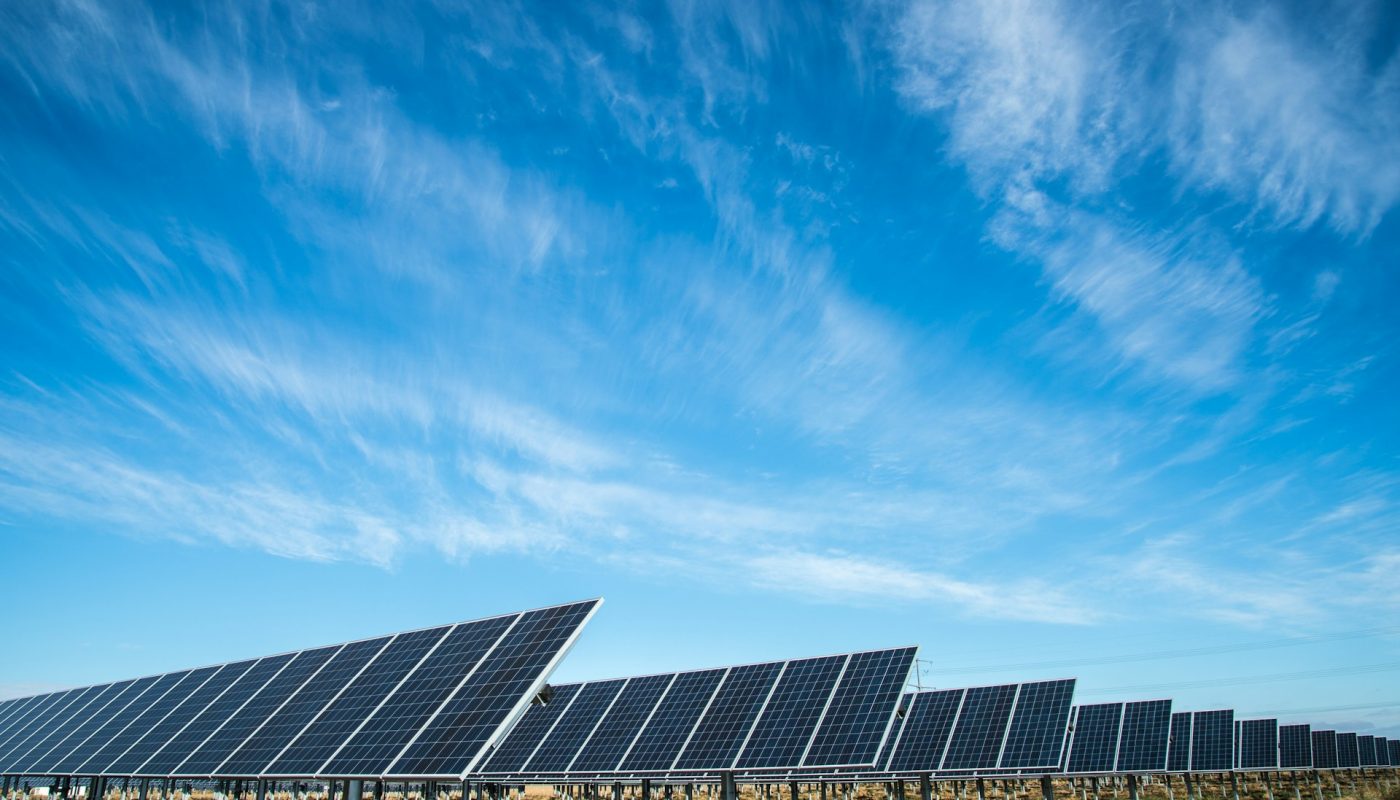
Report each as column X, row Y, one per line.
column 538, row 683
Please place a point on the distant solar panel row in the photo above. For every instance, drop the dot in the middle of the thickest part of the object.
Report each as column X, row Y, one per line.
column 813, row 713
column 425, row 703
column 1120, row 737
column 982, row 730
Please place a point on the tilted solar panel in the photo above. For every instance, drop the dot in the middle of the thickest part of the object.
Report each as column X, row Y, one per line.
column 1213, row 741
column 621, row 724
column 861, row 710
column 1258, row 744
column 527, row 735
column 388, row 730
column 1382, row 751
column 1324, row 747
column 791, row 715
column 493, row 694
column 1295, row 747
column 980, row 728
column 1366, row 747
column 1142, row 744
column 1094, row 744
column 167, row 730
column 339, row 719
column 1036, row 736
column 1393, row 748
column 448, row 691
column 1348, row 752
column 721, row 731
column 923, row 737
column 557, row 750
column 669, row 729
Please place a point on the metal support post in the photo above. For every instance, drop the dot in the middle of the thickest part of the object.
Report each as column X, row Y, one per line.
column 1047, row 788
column 727, row 788
column 1132, row 787
column 981, row 789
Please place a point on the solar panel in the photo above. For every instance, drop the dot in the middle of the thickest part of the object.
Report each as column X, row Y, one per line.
column 721, row 731
column 1212, row 741
column 860, row 713
column 1295, row 747
column 923, row 736
column 140, row 723
column 1366, row 746
column 40, row 708
column 1393, row 747
column 1142, row 744
column 205, row 760
column 980, row 728
column 337, row 720
column 1382, row 751
column 1324, row 746
column 86, row 715
column 1036, row 735
column 89, row 737
column 558, row 749
column 790, row 718
column 211, row 721
column 388, row 731
column 518, row 745
column 1348, row 753
column 494, row 694
column 663, row 737
column 621, row 724
column 1258, row 744
column 41, row 724
column 1094, row 746
column 175, row 723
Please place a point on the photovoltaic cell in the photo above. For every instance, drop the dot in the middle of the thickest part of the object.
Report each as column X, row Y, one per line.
column 559, row 748
column 1142, row 745
column 1348, row 752
column 214, row 751
column 1258, row 744
column 790, row 718
column 206, row 723
column 980, row 728
column 1037, row 732
column 862, row 709
column 371, row 750
column 1095, row 743
column 609, row 742
column 459, row 734
column 661, row 740
column 923, row 737
column 1324, row 745
column 1179, row 748
column 320, row 739
column 167, row 730
column 721, row 731
column 1295, row 746
column 1213, row 741
column 522, row 740
column 140, row 724
column 258, row 750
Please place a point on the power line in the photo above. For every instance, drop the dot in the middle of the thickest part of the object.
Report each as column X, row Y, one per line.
column 1288, row 712
column 1157, row 655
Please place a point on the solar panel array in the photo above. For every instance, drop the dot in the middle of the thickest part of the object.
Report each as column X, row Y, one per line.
column 1120, row 737
column 425, row 703
column 1258, row 744
column 982, row 730
column 813, row 713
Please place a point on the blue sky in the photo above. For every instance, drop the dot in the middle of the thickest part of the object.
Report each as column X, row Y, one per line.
column 1056, row 338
